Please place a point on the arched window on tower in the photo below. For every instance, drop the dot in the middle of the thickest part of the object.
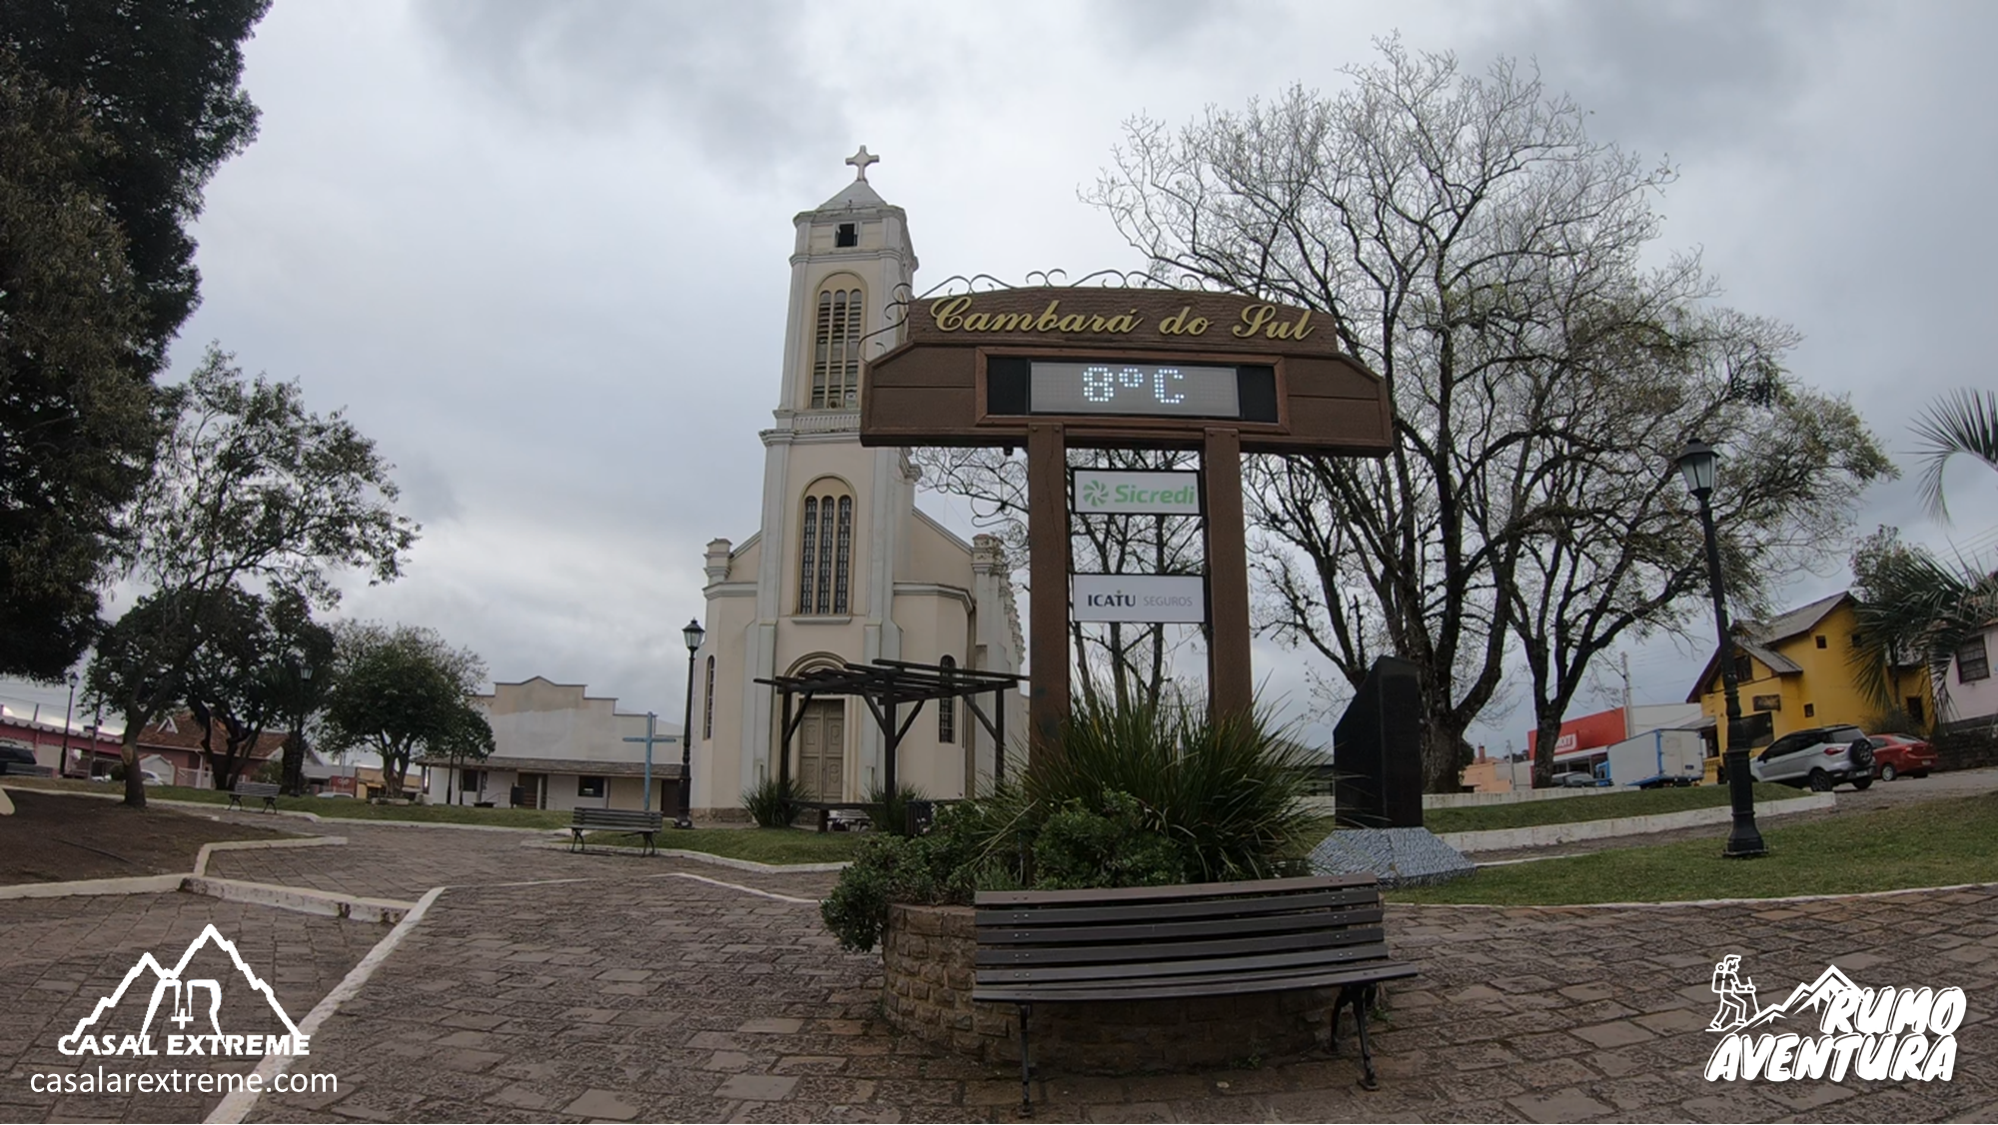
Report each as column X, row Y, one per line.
column 825, row 549
column 836, row 350
column 947, row 708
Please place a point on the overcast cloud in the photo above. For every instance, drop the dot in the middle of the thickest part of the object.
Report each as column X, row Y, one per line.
column 538, row 250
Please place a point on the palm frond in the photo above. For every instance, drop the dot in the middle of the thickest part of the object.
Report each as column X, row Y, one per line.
column 1965, row 422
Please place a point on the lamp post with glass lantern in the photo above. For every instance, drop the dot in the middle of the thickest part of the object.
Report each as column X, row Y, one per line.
column 693, row 634
column 1697, row 464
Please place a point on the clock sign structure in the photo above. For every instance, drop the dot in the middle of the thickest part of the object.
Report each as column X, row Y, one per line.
column 1132, row 368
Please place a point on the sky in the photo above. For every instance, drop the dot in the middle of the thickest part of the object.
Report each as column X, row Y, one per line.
column 538, row 250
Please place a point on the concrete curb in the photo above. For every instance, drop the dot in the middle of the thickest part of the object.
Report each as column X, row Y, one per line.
column 1547, row 835
column 327, row 904
column 201, row 857
column 6, row 804
column 1702, row 902
column 237, row 1104
column 131, row 885
column 707, row 857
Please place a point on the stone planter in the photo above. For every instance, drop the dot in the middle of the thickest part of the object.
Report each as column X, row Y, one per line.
column 928, row 954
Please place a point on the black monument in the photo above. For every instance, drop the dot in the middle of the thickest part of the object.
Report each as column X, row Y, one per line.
column 1377, row 750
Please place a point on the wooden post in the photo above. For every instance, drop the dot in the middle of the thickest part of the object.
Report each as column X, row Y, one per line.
column 1047, row 571
column 784, row 743
column 1230, row 680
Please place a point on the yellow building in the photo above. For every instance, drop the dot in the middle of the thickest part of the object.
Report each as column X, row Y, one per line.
column 1795, row 671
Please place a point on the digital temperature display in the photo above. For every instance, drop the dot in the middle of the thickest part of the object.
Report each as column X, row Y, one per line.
column 1018, row 385
column 1134, row 388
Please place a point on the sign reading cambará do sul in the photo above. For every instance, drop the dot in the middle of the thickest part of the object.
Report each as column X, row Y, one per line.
column 1137, row 493
column 1145, row 598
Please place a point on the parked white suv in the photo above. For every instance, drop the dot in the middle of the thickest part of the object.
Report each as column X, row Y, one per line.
column 1819, row 758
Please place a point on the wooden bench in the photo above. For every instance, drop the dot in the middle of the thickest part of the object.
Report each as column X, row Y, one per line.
column 633, row 822
column 825, row 809
column 1204, row 939
column 244, row 789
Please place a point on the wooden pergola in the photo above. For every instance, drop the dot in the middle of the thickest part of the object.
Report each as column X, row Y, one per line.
column 887, row 686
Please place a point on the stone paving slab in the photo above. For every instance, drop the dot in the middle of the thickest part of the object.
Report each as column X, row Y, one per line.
column 401, row 862
column 674, row 999
column 58, row 957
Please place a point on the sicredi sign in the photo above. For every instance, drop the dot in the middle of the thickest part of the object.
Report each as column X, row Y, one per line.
column 1147, row 598
column 1137, row 493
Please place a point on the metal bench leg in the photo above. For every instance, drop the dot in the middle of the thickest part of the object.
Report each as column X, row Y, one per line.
column 1026, row 1065
column 649, row 847
column 576, row 839
column 235, row 802
column 1363, row 1003
column 270, row 804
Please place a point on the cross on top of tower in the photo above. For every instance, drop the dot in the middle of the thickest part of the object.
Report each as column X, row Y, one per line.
column 860, row 160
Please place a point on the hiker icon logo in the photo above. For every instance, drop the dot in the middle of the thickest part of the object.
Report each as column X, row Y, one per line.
column 183, row 1013
column 1870, row 1033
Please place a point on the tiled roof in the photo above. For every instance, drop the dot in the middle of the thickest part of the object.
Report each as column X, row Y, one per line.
column 181, row 732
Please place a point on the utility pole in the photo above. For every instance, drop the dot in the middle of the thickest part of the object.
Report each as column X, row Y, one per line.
column 1629, row 709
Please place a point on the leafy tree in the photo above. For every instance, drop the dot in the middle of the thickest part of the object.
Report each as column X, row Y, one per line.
column 1966, row 422
column 244, row 675
column 1478, row 250
column 162, row 82
column 248, row 487
column 402, row 691
column 76, row 428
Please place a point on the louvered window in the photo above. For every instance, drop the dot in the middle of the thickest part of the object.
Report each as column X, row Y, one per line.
column 825, row 553
column 708, row 708
column 836, row 351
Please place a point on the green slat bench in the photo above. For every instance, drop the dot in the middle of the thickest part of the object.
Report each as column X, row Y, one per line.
column 631, row 822
column 262, row 789
column 1203, row 939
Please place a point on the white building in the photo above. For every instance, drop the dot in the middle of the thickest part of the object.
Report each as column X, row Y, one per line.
column 844, row 567
column 562, row 748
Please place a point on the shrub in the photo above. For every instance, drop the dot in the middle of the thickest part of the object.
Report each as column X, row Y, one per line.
column 1114, row 846
column 1134, row 797
column 271, row 772
column 890, row 811
column 773, row 803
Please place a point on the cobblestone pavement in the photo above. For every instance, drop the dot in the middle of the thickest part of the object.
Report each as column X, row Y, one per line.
column 546, row 986
column 59, row 956
column 400, row 862
column 669, row 998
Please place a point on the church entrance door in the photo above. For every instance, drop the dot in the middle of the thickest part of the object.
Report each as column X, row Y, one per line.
column 822, row 751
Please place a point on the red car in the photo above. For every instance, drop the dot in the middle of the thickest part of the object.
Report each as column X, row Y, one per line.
column 1897, row 755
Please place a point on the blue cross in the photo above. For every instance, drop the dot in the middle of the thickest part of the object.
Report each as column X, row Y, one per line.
column 651, row 736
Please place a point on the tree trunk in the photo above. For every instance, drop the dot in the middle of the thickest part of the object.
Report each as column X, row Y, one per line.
column 1547, row 737
column 294, row 765
column 135, row 782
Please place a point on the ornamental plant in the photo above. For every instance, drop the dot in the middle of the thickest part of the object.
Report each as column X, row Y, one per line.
column 1134, row 796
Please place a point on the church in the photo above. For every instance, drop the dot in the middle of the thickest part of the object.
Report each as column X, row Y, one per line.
column 844, row 568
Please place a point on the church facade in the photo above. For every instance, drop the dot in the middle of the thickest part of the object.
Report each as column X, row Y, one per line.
column 844, row 567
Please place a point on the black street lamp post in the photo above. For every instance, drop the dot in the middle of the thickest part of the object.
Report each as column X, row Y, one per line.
column 68, row 713
column 1744, row 840
column 693, row 634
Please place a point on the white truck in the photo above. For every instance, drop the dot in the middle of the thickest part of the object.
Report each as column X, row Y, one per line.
column 1654, row 758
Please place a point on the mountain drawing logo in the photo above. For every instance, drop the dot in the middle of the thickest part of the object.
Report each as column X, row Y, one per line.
column 186, row 1017
column 1874, row 1034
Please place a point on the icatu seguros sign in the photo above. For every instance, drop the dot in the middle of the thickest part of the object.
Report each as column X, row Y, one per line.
column 1146, row 598
column 1137, row 493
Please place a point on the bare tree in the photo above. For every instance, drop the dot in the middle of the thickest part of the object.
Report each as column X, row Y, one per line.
column 1480, row 252
column 1126, row 663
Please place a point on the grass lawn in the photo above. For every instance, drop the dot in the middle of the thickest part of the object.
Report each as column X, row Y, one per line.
column 1568, row 810
column 764, row 845
column 1934, row 843
column 776, row 845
